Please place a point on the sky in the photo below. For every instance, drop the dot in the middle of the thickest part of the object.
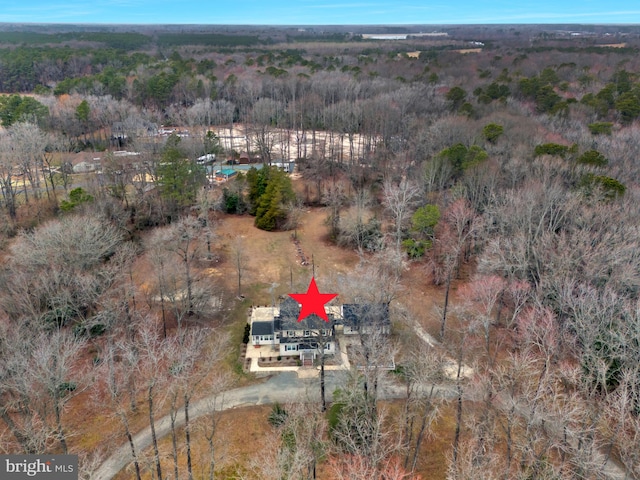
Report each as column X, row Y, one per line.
column 319, row 12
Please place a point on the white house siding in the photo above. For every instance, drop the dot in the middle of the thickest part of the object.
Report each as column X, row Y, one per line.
column 262, row 340
column 330, row 349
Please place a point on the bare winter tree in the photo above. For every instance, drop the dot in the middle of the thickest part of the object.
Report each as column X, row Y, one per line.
column 354, row 467
column 358, row 227
column 8, row 176
column 196, row 352
column 16, row 398
column 334, row 198
column 115, row 373
column 59, row 271
column 240, row 260
column 42, row 371
column 399, row 201
column 376, row 279
column 28, row 144
column 54, row 172
column 360, row 428
column 205, row 205
column 266, row 114
column 177, row 249
column 165, row 271
column 153, row 371
column 298, row 436
column 423, row 369
column 56, row 374
column 295, row 212
column 453, row 241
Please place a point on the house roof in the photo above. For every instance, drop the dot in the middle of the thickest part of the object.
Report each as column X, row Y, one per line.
column 289, row 340
column 288, row 318
column 267, row 320
column 262, row 328
column 356, row 315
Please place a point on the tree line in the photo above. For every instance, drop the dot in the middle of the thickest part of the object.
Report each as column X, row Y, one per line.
column 519, row 200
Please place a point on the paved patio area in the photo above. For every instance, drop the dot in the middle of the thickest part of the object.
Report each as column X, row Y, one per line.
column 266, row 351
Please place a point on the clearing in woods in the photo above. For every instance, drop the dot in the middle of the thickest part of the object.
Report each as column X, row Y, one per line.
column 273, row 264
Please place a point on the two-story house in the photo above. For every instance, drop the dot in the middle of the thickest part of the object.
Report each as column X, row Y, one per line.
column 279, row 326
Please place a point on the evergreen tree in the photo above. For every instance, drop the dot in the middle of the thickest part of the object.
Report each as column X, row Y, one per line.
column 178, row 177
column 270, row 190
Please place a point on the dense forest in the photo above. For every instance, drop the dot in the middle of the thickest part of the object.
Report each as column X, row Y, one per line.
column 501, row 163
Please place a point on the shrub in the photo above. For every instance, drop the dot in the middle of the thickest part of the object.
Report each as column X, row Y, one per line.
column 600, row 128
column 492, row 131
column 77, row 196
column 456, row 96
column 551, row 149
column 415, row 248
column 277, row 416
column 246, row 334
column 66, row 387
column 592, row 157
column 610, row 187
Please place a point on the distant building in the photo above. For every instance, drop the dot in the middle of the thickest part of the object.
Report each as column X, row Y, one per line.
column 85, row 167
column 225, row 174
column 287, row 167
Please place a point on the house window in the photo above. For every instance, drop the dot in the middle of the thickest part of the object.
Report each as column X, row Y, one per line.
column 291, row 348
column 307, row 333
column 327, row 347
column 291, row 333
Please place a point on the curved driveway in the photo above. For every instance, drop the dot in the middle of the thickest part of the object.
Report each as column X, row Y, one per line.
column 283, row 387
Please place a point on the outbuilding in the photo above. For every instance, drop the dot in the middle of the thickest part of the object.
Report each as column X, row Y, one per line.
column 225, row 174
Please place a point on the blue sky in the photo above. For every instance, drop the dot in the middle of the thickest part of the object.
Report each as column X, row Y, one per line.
column 319, row 12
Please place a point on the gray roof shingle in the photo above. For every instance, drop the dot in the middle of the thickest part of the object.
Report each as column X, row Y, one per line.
column 262, row 328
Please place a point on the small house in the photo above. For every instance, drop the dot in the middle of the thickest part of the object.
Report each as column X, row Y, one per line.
column 287, row 167
column 86, row 167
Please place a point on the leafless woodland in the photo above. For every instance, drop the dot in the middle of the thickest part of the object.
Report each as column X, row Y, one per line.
column 508, row 177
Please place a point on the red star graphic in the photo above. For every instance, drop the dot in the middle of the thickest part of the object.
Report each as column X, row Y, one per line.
column 313, row 301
